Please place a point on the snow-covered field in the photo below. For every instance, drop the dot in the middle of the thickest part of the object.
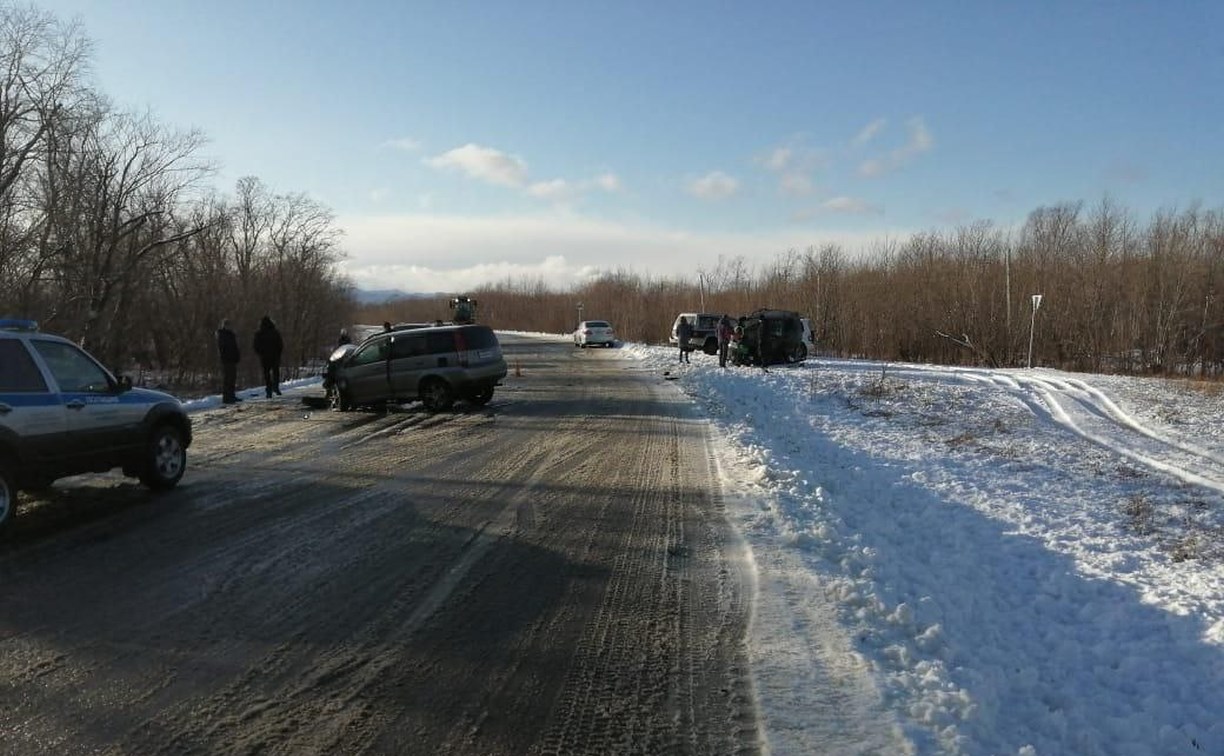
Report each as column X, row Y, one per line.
column 1015, row 561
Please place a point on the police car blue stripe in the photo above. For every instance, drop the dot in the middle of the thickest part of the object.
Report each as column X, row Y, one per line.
column 31, row 399
column 14, row 399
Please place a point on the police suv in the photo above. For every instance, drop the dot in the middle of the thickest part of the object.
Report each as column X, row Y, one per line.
column 62, row 413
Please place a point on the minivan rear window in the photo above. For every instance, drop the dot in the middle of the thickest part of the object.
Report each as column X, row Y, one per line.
column 479, row 337
column 441, row 343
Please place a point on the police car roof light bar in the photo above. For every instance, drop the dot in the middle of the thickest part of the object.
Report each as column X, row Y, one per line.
column 18, row 324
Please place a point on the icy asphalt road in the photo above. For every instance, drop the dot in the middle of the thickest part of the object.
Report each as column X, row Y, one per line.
column 549, row 574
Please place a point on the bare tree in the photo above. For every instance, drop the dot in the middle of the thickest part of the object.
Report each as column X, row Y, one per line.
column 41, row 66
column 121, row 178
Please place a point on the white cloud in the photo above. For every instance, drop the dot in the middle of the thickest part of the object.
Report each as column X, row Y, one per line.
column 715, row 185
column 849, row 206
column 556, row 190
column 795, row 163
column 406, row 144
column 423, row 252
column 484, row 163
column 609, row 182
column 378, row 195
column 920, row 141
column 778, row 159
column 502, row 169
column 555, row 270
column 868, row 132
column 796, row 185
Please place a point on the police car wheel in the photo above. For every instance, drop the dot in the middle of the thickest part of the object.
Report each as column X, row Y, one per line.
column 167, row 459
column 8, row 494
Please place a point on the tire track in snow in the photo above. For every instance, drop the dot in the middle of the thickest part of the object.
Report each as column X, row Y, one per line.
column 1084, row 414
column 1091, row 414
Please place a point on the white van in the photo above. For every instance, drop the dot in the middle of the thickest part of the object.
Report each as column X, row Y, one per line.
column 809, row 339
column 705, row 331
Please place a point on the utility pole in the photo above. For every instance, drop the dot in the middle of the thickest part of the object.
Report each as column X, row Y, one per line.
column 1032, row 324
column 701, row 288
column 579, row 312
column 1007, row 285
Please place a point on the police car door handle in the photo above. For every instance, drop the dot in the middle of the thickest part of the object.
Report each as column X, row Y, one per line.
column 5, row 409
column 76, row 404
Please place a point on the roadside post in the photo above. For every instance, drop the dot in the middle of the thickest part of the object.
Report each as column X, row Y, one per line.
column 1032, row 323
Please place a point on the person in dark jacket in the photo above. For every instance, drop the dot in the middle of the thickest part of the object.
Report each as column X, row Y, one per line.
column 227, row 347
column 725, row 331
column 684, row 334
column 269, row 345
column 344, row 338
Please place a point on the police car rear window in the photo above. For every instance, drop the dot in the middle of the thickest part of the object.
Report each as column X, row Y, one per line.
column 18, row 373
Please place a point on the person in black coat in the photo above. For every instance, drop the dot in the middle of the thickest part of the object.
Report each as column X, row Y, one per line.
column 227, row 347
column 684, row 333
column 269, row 345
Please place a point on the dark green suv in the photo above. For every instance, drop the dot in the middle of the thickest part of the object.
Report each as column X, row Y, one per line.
column 62, row 413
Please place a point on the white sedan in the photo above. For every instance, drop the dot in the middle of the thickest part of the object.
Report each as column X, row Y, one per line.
column 590, row 332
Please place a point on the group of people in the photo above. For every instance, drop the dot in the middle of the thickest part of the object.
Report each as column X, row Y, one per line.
column 268, row 346
column 727, row 332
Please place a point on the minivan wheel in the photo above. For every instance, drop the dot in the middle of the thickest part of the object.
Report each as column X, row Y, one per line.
column 166, row 459
column 436, row 395
column 8, row 494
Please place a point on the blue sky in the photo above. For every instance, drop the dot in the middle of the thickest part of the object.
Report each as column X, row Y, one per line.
column 462, row 142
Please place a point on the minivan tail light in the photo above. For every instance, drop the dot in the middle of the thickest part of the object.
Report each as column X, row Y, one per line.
column 461, row 348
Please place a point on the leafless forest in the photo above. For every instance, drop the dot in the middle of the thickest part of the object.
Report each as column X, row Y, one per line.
column 111, row 235
column 1117, row 294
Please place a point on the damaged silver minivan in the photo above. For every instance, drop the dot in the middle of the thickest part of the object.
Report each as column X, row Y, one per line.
column 437, row 365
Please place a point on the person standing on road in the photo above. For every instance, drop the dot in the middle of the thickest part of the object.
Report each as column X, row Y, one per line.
column 725, row 330
column 684, row 333
column 227, row 347
column 269, row 345
column 344, row 338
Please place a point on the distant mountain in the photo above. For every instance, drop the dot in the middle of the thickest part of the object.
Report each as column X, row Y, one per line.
column 382, row 296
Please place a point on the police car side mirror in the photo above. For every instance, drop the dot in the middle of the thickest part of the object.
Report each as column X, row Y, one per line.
column 125, row 383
